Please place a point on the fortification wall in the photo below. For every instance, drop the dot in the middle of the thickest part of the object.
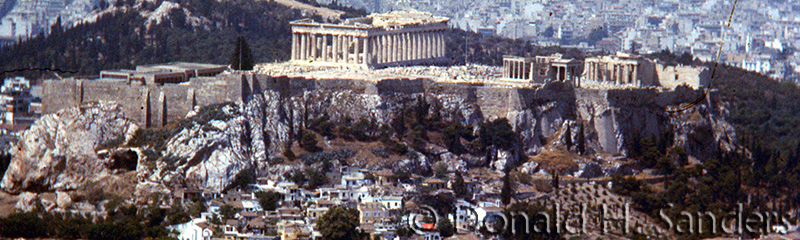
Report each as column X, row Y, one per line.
column 57, row 95
column 494, row 102
column 674, row 76
column 149, row 106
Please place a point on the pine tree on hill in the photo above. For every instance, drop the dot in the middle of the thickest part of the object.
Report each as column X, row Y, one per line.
column 242, row 57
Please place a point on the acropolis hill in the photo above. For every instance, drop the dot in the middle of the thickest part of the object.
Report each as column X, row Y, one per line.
column 370, row 57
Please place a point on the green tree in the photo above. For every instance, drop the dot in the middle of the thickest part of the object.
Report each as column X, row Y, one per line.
column 459, row 187
column 242, row 180
column 242, row 56
column 315, row 177
column 452, row 134
column 268, row 200
column 445, row 228
column 497, row 133
column 339, row 223
column 197, row 207
column 440, row 170
column 650, row 154
column 308, row 141
column 297, row 177
column 177, row 214
column 227, row 211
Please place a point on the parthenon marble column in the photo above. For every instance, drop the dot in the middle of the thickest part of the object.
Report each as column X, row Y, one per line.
column 429, row 49
column 420, row 46
column 382, row 49
column 314, row 43
column 444, row 44
column 346, row 48
column 425, row 45
column 626, row 73
column 356, row 49
column 435, row 39
column 324, row 46
column 301, row 55
column 294, row 46
column 335, row 51
column 421, row 42
column 417, row 47
column 343, row 48
column 389, row 50
column 505, row 69
column 405, row 47
column 439, row 44
column 398, row 47
column 365, row 45
column 387, row 53
column 392, row 48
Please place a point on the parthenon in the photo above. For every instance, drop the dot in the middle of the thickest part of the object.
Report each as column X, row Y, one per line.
column 396, row 38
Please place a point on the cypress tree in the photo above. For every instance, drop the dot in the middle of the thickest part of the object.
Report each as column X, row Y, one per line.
column 508, row 190
column 568, row 136
column 581, row 141
column 242, row 57
column 459, row 187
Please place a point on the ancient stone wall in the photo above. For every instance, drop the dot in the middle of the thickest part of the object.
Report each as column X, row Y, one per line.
column 58, row 95
column 148, row 105
column 613, row 116
column 674, row 76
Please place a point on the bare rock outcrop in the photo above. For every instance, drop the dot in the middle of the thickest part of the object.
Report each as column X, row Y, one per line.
column 58, row 152
column 64, row 150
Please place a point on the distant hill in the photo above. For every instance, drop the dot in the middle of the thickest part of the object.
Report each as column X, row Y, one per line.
column 152, row 32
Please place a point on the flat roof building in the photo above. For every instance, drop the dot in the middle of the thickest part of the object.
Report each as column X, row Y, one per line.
column 396, row 38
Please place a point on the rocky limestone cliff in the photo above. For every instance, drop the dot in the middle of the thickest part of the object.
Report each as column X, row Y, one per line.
column 59, row 152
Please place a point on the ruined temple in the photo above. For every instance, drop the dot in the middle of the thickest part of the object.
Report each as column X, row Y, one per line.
column 396, row 38
column 541, row 69
column 620, row 69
